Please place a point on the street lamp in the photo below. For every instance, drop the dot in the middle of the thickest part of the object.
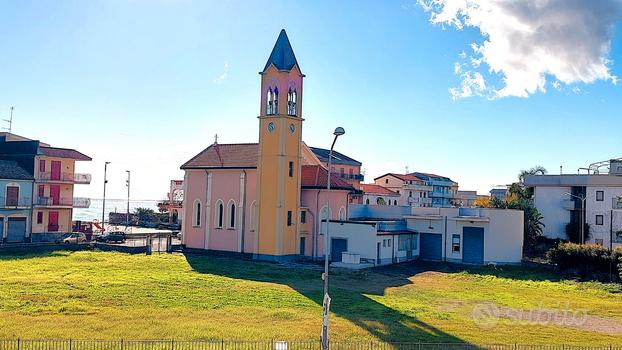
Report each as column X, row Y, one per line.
column 127, row 214
column 326, row 303
column 582, row 216
column 104, row 200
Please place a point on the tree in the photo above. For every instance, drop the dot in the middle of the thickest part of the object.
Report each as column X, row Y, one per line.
column 519, row 197
column 483, row 202
column 145, row 214
column 536, row 170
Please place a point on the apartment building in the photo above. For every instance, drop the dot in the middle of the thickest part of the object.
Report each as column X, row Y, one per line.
column 593, row 198
column 54, row 174
column 421, row 189
column 15, row 202
column 344, row 167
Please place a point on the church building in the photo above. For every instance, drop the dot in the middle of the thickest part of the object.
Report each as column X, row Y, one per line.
column 266, row 199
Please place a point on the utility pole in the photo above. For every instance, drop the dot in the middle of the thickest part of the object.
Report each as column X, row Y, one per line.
column 326, row 302
column 127, row 214
column 104, row 199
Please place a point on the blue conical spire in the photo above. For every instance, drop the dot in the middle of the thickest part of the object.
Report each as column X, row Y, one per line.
column 282, row 56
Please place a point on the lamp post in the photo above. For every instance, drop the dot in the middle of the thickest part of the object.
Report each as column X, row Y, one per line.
column 127, row 214
column 104, row 200
column 326, row 303
column 582, row 216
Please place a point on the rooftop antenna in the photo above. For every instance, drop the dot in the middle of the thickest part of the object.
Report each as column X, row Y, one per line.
column 561, row 170
column 215, row 138
column 10, row 121
column 407, row 169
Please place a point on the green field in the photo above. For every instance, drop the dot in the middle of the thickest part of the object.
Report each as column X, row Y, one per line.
column 104, row 295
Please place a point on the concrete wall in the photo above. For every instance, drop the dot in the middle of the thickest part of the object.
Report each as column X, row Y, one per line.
column 363, row 239
column 550, row 203
column 503, row 230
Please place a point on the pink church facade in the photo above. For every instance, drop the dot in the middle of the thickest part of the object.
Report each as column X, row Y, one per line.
column 220, row 201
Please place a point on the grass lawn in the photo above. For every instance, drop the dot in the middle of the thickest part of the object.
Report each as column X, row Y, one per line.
column 105, row 295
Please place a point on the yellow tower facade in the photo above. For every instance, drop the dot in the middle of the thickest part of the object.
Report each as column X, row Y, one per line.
column 280, row 135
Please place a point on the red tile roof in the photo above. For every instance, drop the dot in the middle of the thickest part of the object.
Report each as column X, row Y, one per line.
column 63, row 153
column 403, row 177
column 234, row 155
column 377, row 189
column 315, row 176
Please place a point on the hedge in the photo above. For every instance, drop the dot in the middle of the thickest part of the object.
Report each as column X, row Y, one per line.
column 587, row 259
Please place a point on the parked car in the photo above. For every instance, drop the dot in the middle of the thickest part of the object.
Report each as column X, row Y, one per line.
column 75, row 237
column 117, row 237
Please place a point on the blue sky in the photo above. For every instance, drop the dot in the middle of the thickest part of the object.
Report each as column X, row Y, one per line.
column 146, row 85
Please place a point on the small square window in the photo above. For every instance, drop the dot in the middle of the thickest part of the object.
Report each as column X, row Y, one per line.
column 599, row 219
column 455, row 243
column 600, row 196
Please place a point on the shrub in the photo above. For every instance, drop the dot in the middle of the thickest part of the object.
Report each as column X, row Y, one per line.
column 587, row 259
column 573, row 232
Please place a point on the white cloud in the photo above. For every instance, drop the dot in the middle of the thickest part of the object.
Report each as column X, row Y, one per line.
column 222, row 77
column 527, row 41
column 473, row 84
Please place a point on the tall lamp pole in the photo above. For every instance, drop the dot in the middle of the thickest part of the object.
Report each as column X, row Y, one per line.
column 326, row 303
column 582, row 218
column 104, row 200
column 127, row 214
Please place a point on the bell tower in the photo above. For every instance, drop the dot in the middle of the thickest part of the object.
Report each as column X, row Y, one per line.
column 280, row 135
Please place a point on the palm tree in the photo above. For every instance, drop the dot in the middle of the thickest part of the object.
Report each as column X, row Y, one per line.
column 536, row 170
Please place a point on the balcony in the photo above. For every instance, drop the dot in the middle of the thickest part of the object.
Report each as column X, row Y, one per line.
column 68, row 202
column 75, row 178
column 413, row 200
column 440, row 194
column 417, row 187
column 15, row 203
column 356, row 177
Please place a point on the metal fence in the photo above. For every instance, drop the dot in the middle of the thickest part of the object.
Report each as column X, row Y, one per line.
column 21, row 344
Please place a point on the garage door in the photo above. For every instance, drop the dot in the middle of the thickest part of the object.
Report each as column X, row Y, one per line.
column 16, row 230
column 431, row 247
column 337, row 246
column 473, row 241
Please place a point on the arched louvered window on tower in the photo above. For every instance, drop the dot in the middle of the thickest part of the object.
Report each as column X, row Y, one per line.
column 269, row 102
column 291, row 102
column 276, row 101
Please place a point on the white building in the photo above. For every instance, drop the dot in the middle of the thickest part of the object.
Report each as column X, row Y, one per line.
column 381, row 235
column 603, row 204
column 378, row 195
column 467, row 198
column 412, row 190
